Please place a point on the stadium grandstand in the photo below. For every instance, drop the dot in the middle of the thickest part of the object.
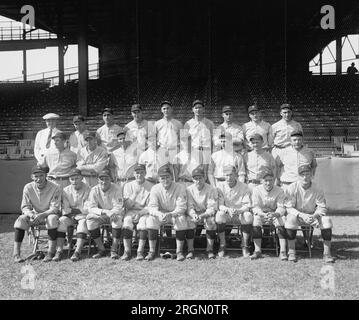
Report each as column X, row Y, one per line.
column 220, row 52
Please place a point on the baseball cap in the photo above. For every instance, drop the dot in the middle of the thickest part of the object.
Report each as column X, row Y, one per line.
column 38, row 169
column 198, row 171
column 75, row 172
column 226, row 108
column 60, row 135
column 104, row 173
column 165, row 170
column 109, row 110
column 252, row 108
column 255, row 136
column 120, row 131
column 285, row 106
column 89, row 134
column 139, row 167
column 136, row 107
column 228, row 169
column 78, row 118
column 266, row 171
column 296, row 133
column 50, row 116
column 166, row 102
column 197, row 102
column 304, row 168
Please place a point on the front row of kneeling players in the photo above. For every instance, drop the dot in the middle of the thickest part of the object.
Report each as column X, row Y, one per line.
column 169, row 203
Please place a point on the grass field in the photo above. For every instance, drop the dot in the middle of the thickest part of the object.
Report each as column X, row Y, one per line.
column 232, row 277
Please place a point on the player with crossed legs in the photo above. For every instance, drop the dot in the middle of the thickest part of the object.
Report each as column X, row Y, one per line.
column 105, row 207
column 306, row 205
column 234, row 203
column 268, row 208
column 202, row 200
column 136, row 197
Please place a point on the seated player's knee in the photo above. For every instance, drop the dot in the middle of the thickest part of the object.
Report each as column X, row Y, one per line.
column 117, row 224
column 326, row 223
column 127, row 223
column 247, row 218
column 22, row 223
column 221, row 217
column 257, row 221
column 291, row 221
column 246, row 228
column 181, row 223
column 92, row 222
column 141, row 225
column 64, row 223
column 326, row 234
column 291, row 234
column 82, row 226
column 211, row 234
column 181, row 235
column 282, row 232
column 152, row 222
column 210, row 223
column 221, row 227
column 52, row 221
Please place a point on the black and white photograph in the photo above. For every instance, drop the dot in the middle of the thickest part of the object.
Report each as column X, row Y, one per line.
column 179, row 155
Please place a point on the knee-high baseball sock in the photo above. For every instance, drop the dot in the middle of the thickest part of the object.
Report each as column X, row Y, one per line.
column 99, row 244
column 60, row 243
column 17, row 247
column 245, row 239
column 115, row 244
column 257, row 244
column 291, row 246
column 79, row 244
column 52, row 246
column 127, row 243
column 152, row 244
column 179, row 245
column 222, row 239
column 283, row 245
column 141, row 245
column 327, row 246
column 190, row 245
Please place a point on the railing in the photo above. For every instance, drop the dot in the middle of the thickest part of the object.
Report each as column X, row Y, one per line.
column 12, row 30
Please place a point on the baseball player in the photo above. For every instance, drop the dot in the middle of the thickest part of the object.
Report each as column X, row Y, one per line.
column 105, row 207
column 153, row 158
column 107, row 134
column 283, row 129
column 234, row 203
column 74, row 211
column 185, row 162
column 137, row 130
column 202, row 204
column 168, row 129
column 43, row 139
column 167, row 205
column 225, row 157
column 200, row 130
column 256, row 160
column 41, row 200
column 257, row 126
column 60, row 161
column 230, row 129
column 306, row 205
column 136, row 197
column 292, row 157
column 268, row 208
column 91, row 159
column 123, row 159
column 77, row 138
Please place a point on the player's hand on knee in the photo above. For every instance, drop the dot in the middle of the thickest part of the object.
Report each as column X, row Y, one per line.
column 114, row 218
column 306, row 218
column 135, row 218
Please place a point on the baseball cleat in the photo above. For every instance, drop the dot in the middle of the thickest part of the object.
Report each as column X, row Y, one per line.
column 139, row 256
column 328, row 258
column 283, row 256
column 48, row 257
column 75, row 257
column 114, row 255
column 57, row 256
column 180, row 256
column 221, row 253
column 190, row 255
column 211, row 255
column 292, row 257
column 150, row 256
column 18, row 259
column 245, row 253
column 126, row 256
column 99, row 254
column 256, row 255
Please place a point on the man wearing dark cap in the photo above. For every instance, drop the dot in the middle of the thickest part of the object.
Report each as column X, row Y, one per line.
column 41, row 201
column 107, row 134
column 234, row 203
column 202, row 205
column 77, row 139
column 257, row 160
column 292, row 157
column 60, row 161
column 137, row 130
column 257, row 126
column 123, row 159
column 306, row 205
column 268, row 208
column 283, row 129
column 167, row 205
column 230, row 129
column 225, row 157
column 200, row 129
column 168, row 129
column 105, row 206
column 74, row 211
column 136, row 196
column 43, row 139
column 91, row 159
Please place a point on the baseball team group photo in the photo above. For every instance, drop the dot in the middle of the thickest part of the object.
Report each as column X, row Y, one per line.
column 212, row 160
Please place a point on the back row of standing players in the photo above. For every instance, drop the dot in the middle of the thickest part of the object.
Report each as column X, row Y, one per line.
column 253, row 154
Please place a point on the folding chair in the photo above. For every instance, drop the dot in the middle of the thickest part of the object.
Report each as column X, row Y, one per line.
column 307, row 232
column 270, row 234
column 170, row 246
column 37, row 238
column 233, row 236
